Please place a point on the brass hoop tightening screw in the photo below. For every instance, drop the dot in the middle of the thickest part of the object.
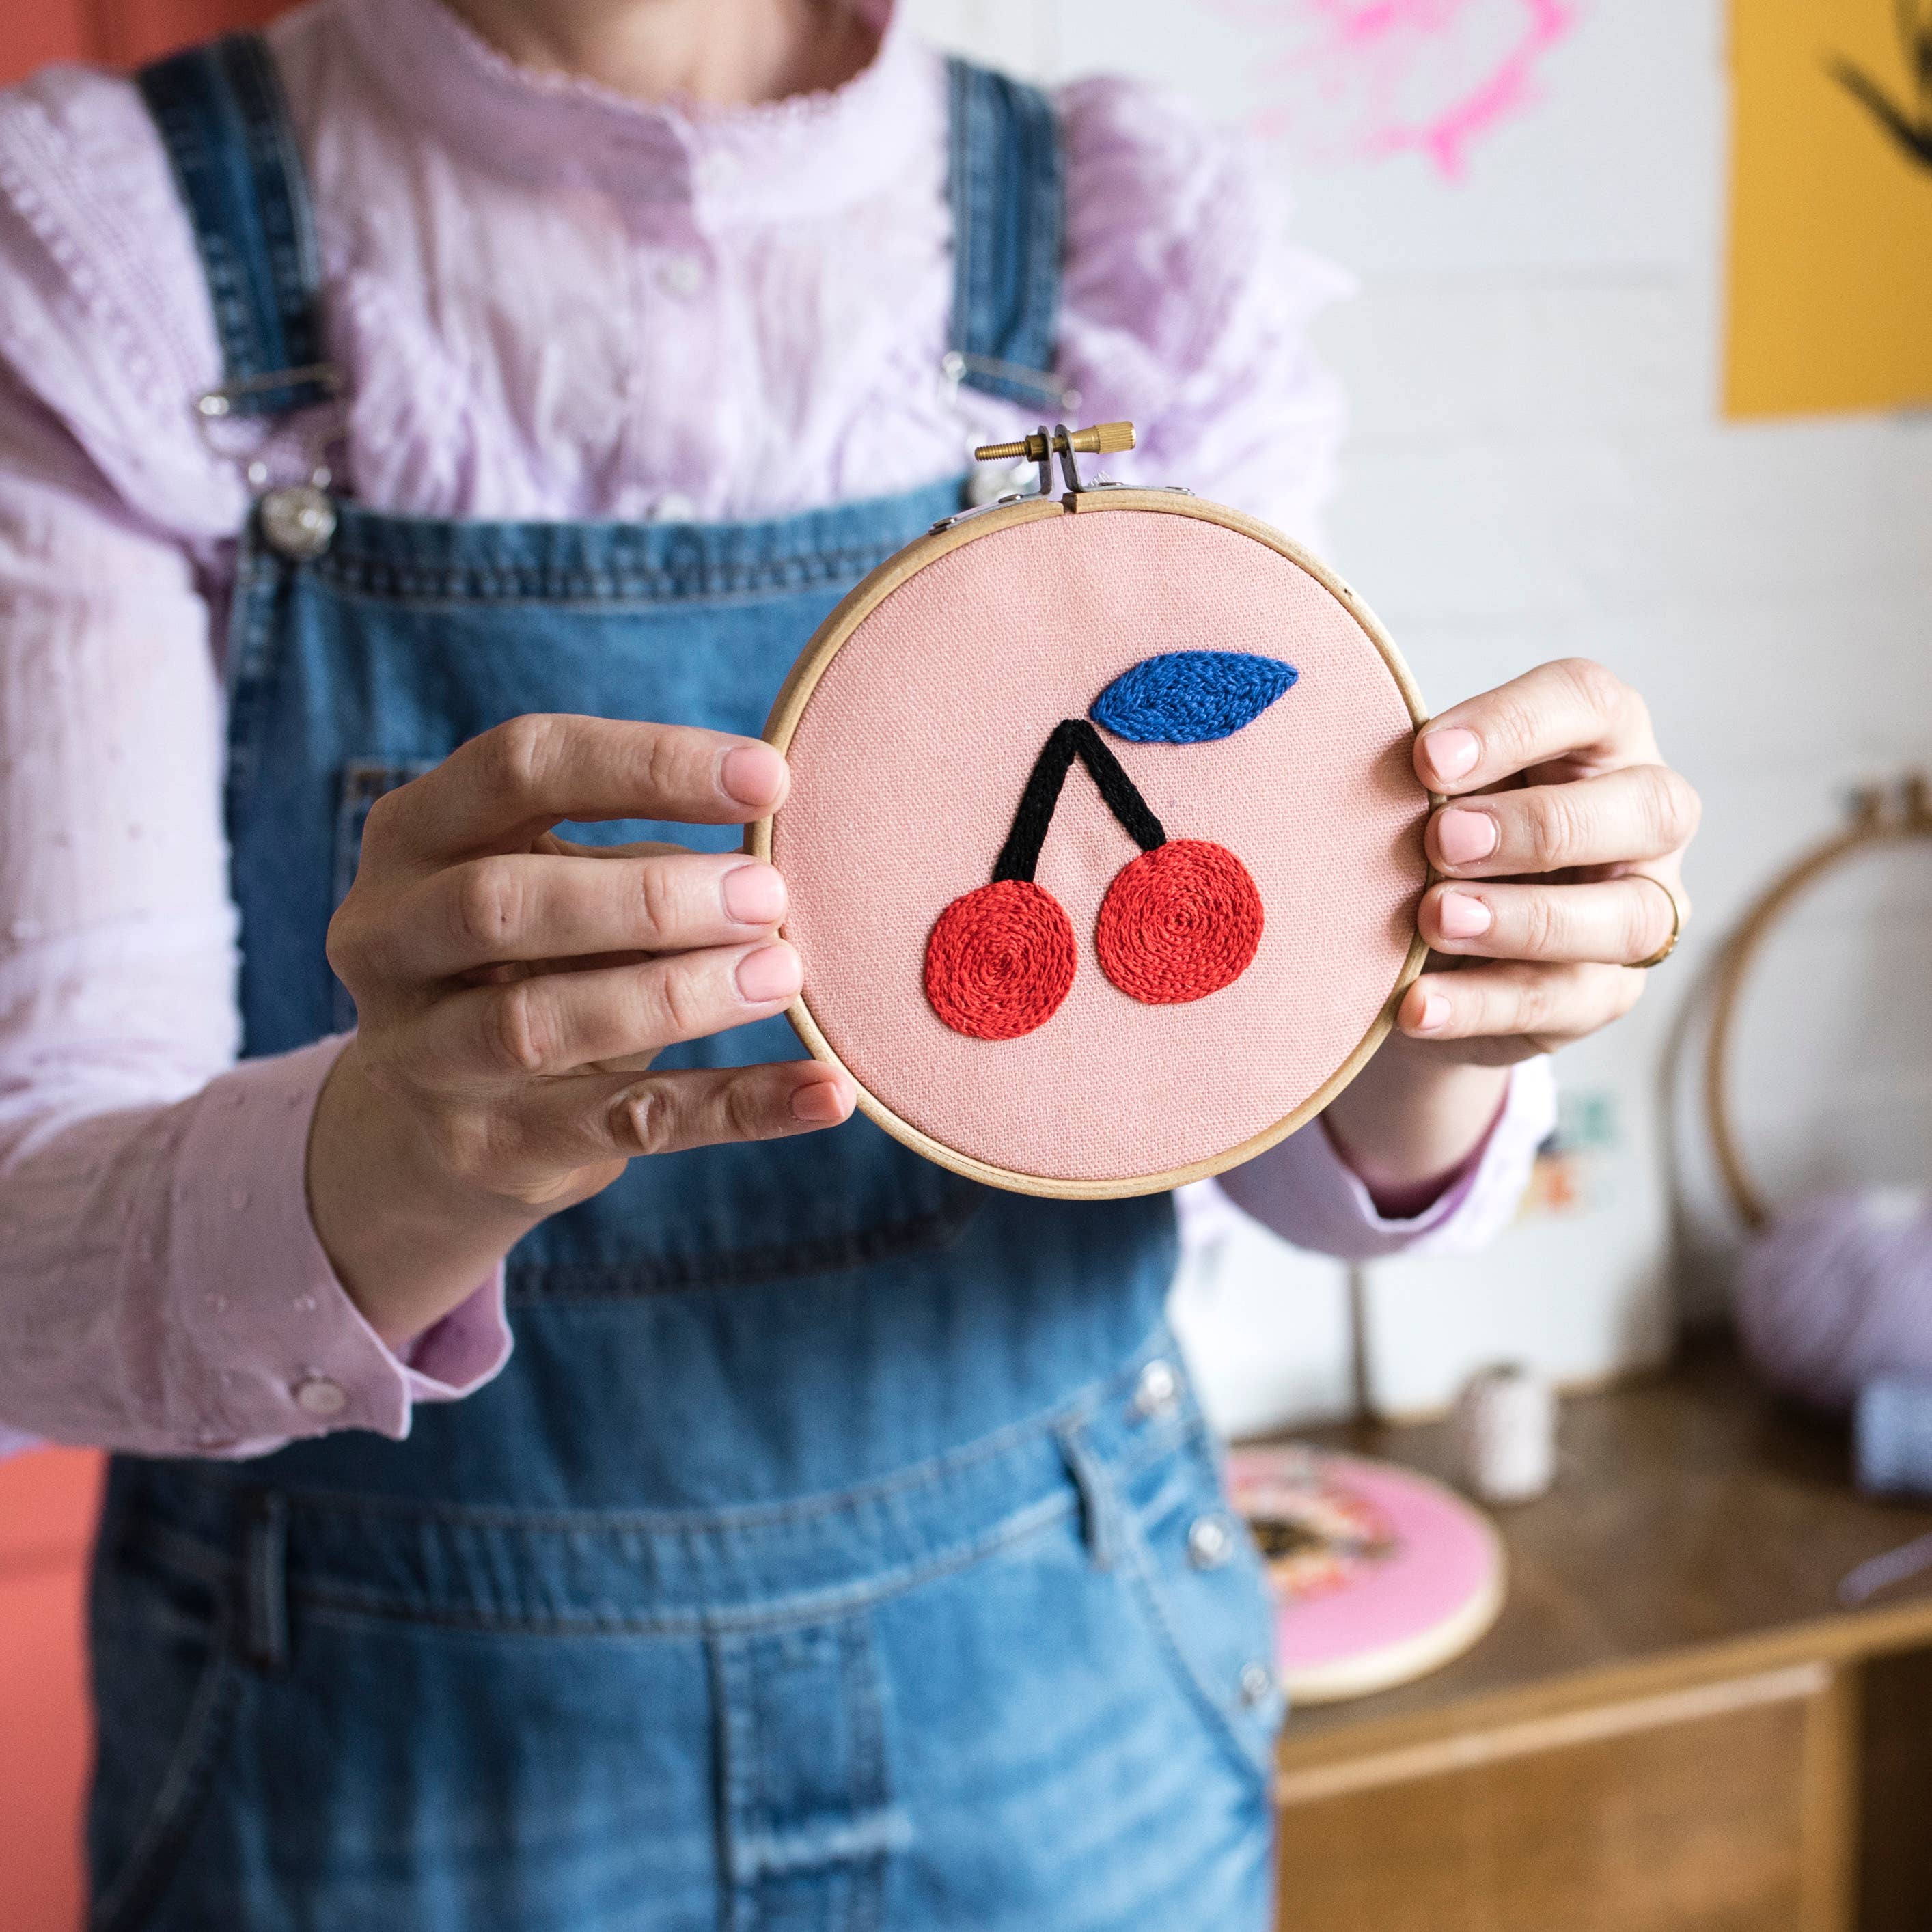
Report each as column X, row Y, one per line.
column 1107, row 439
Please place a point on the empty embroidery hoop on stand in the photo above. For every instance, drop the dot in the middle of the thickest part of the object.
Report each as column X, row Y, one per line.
column 1104, row 844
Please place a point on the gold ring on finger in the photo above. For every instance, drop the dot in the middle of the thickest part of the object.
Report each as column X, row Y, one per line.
column 1670, row 946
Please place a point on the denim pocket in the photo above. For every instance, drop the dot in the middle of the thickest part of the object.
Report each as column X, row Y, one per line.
column 1189, row 1559
column 161, row 1648
column 364, row 782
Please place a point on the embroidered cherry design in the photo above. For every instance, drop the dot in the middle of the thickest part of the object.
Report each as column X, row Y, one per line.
column 1001, row 957
column 1181, row 921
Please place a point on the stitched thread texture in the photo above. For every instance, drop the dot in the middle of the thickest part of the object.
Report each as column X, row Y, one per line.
column 929, row 705
column 1179, row 923
column 1191, row 698
column 1071, row 738
column 1000, row 960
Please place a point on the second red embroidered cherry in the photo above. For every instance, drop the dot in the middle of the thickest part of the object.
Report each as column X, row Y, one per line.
column 1179, row 923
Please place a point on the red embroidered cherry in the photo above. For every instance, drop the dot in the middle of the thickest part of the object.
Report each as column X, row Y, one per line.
column 999, row 960
column 1179, row 923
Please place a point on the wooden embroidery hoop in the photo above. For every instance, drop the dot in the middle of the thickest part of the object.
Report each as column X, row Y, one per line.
column 789, row 709
column 1876, row 821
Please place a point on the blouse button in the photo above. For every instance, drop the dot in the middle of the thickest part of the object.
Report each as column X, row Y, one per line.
column 682, row 276
column 316, row 1395
column 674, row 507
column 1209, row 1542
column 714, row 172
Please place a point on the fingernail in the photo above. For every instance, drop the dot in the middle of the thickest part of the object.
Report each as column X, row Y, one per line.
column 821, row 1103
column 1451, row 752
column 1461, row 915
column 1463, row 837
column 753, row 894
column 771, row 973
column 753, row 775
column 1435, row 1012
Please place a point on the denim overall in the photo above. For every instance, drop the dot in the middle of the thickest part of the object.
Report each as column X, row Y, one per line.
column 842, row 1547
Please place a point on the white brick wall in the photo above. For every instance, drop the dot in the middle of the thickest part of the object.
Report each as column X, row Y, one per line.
column 1538, row 468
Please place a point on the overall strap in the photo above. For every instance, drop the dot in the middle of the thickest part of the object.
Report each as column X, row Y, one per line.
column 1008, row 226
column 224, row 121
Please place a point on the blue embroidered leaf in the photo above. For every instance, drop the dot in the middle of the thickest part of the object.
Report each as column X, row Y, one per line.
column 1191, row 698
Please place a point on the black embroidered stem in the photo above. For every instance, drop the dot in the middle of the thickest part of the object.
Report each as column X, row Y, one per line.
column 1071, row 738
column 1122, row 795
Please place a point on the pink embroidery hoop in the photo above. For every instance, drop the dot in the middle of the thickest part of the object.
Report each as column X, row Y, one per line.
column 911, row 720
column 1423, row 1582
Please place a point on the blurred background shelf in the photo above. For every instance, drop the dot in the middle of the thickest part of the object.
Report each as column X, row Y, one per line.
column 1675, row 1726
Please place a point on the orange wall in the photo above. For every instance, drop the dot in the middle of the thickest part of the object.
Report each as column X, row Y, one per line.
column 48, row 1498
column 30, row 36
column 121, row 31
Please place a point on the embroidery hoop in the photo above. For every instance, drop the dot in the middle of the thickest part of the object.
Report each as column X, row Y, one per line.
column 1876, row 820
column 790, row 711
column 1430, row 1593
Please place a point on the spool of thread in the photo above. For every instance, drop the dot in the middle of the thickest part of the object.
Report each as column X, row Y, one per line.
column 1506, row 1434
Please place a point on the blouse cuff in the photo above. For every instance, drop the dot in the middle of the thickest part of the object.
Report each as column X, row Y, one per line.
column 1308, row 1194
column 287, row 1353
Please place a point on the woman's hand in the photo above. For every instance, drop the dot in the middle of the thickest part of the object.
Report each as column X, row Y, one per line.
column 1562, row 846
column 511, row 988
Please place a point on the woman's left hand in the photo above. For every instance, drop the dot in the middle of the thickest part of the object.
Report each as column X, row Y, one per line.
column 1561, row 849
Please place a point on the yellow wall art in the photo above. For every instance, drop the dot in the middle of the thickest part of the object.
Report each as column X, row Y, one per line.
column 1830, row 279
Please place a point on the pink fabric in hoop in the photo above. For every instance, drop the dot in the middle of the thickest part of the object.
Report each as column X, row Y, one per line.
column 908, row 761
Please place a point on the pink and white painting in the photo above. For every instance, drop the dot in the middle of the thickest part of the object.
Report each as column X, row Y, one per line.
column 1364, row 79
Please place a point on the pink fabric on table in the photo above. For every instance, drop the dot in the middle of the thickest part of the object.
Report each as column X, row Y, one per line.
column 912, row 753
column 548, row 301
column 1434, row 1588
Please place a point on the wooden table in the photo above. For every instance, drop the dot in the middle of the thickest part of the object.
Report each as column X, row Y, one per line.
column 1674, row 1727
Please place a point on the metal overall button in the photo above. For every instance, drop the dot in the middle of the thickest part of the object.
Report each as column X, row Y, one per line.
column 1210, row 1542
column 1157, row 1391
column 297, row 521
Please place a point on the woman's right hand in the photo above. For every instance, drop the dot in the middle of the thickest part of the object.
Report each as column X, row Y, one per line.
column 511, row 990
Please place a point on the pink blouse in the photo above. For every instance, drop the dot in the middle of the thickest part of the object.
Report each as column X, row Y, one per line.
column 550, row 301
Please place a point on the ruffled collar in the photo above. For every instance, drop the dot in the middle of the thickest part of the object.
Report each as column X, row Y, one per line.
column 802, row 154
